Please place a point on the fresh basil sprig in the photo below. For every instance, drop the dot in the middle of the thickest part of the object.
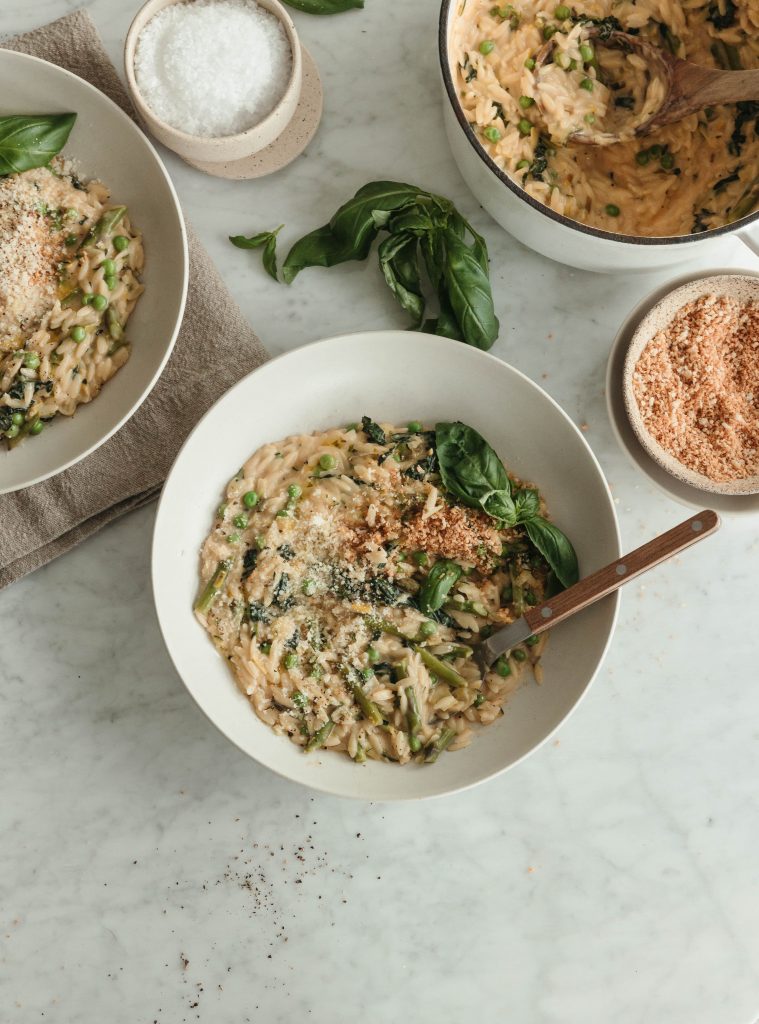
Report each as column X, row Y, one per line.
column 32, row 140
column 441, row 579
column 265, row 239
column 429, row 248
column 324, row 6
column 472, row 472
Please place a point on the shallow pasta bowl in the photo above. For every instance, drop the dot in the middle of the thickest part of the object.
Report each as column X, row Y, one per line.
column 543, row 229
column 106, row 144
column 392, row 376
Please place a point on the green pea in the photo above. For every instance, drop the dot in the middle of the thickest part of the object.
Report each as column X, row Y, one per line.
column 421, row 558
column 372, row 655
column 587, row 52
column 31, row 360
column 502, row 667
column 525, row 102
column 530, row 63
column 294, row 491
column 524, row 127
column 250, row 499
column 108, row 267
column 522, row 165
column 414, row 427
column 612, row 209
column 549, row 31
column 71, row 240
column 17, row 418
column 642, row 157
column 656, row 150
column 667, row 161
column 36, row 428
column 572, row 66
column 327, row 461
column 427, row 628
column 519, row 654
column 120, row 243
column 532, row 640
column 240, row 521
column 221, row 510
column 479, row 700
column 491, row 133
column 587, row 84
column 12, row 431
column 486, row 46
column 265, row 647
column 562, row 59
column 78, row 333
column 99, row 302
column 87, row 298
column 562, row 12
column 233, row 538
column 308, row 587
column 111, row 282
column 590, row 119
column 290, row 660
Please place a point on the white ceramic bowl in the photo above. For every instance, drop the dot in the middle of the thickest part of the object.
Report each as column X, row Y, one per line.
column 396, row 376
column 542, row 229
column 106, row 144
column 224, row 148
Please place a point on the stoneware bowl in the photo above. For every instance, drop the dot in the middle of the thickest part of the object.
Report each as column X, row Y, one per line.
column 226, row 148
column 742, row 287
column 337, row 381
column 108, row 145
column 545, row 230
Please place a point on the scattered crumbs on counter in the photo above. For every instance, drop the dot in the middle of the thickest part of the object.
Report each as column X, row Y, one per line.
column 584, row 427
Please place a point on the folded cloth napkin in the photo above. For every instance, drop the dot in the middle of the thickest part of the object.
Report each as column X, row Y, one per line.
column 44, row 521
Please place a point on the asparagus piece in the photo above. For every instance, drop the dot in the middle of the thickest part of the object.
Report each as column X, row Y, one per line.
column 115, row 328
column 23, row 432
column 414, row 720
column 209, row 593
column 438, row 746
column 475, row 607
column 370, row 710
column 360, row 757
column 320, row 737
column 440, row 668
column 106, row 224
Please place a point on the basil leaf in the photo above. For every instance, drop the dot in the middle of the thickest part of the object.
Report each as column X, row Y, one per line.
column 469, row 292
column 350, row 233
column 324, row 6
column 399, row 263
column 28, row 141
column 469, row 468
column 266, row 240
column 442, row 577
column 526, row 505
column 555, row 547
column 500, row 505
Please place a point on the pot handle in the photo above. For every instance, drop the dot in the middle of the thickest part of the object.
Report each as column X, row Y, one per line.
column 750, row 240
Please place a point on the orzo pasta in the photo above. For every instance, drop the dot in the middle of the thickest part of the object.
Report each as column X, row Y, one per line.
column 346, row 586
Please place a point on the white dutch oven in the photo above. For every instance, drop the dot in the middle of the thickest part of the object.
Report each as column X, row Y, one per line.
column 550, row 233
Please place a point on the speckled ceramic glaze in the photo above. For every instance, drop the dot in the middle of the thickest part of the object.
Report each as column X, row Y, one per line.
column 739, row 286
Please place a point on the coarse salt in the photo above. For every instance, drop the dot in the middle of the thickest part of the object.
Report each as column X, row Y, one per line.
column 213, row 67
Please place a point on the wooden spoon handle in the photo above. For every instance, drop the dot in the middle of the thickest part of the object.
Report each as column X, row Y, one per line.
column 694, row 87
column 612, row 577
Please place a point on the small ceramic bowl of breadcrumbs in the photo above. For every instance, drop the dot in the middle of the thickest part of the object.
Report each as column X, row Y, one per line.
column 691, row 383
column 221, row 81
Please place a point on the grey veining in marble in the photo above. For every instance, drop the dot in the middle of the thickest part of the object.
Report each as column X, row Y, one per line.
column 150, row 872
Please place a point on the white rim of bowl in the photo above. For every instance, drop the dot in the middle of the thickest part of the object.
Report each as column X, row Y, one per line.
column 315, row 785
column 130, row 51
column 520, row 193
column 126, row 119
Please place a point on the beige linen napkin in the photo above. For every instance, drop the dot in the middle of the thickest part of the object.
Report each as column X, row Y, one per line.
column 214, row 349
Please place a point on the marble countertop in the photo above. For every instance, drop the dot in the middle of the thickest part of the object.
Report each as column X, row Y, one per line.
column 152, row 873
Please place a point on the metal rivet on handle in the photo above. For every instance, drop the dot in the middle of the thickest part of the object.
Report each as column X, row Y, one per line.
column 621, row 569
column 546, row 612
column 697, row 526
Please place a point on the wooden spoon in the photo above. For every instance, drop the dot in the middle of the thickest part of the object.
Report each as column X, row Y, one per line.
column 687, row 87
column 599, row 584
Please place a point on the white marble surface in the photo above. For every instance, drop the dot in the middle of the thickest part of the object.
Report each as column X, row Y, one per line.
column 610, row 877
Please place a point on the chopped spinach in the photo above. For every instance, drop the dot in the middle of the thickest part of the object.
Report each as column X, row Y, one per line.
column 746, row 112
column 256, row 612
column 722, row 14
column 373, row 431
column 724, row 182
column 286, row 552
column 249, row 561
column 282, row 595
column 626, row 102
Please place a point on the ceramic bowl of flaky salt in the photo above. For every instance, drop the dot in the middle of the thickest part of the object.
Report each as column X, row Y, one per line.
column 691, row 383
column 216, row 81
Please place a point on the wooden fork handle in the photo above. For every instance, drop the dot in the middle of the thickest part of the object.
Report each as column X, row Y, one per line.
column 612, row 577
